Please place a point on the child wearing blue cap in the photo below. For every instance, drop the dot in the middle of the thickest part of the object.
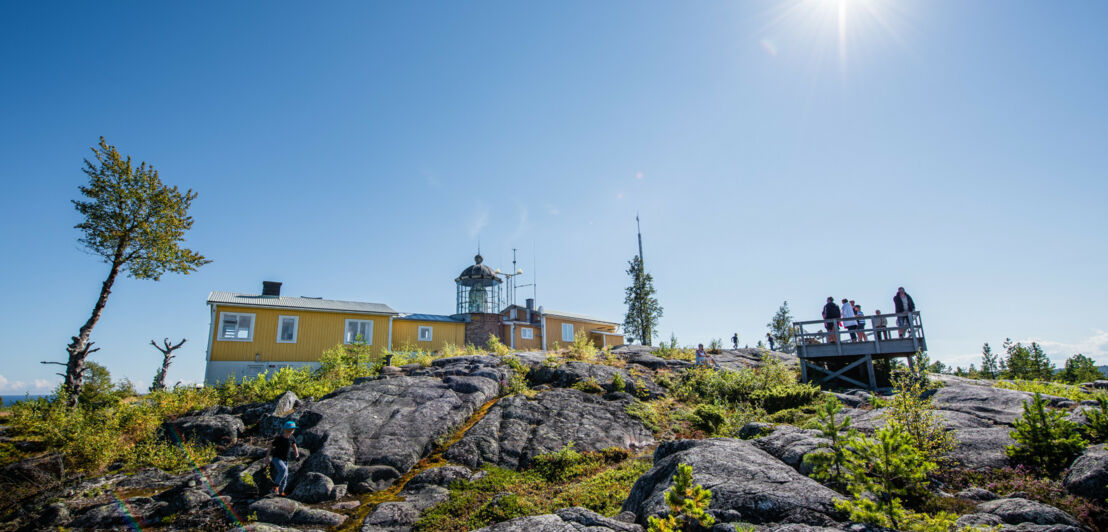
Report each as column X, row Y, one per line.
column 278, row 455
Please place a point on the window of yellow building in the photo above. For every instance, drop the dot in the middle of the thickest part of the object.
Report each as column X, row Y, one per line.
column 236, row 327
column 567, row 332
column 287, row 327
column 425, row 333
column 526, row 333
column 358, row 331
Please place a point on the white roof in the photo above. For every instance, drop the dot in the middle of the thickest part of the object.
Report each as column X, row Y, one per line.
column 579, row 317
column 301, row 303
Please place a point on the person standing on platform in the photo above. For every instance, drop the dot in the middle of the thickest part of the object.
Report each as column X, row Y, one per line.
column 903, row 303
column 861, row 320
column 831, row 317
column 850, row 324
column 881, row 325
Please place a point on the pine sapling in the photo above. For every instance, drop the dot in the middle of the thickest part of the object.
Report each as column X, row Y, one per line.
column 828, row 466
column 688, row 505
column 1045, row 438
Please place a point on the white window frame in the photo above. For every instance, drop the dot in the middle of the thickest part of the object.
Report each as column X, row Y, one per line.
column 564, row 330
column 368, row 336
column 430, row 333
column 295, row 328
column 237, row 315
column 526, row 333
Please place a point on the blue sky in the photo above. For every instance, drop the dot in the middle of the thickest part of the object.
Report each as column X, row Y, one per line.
column 775, row 151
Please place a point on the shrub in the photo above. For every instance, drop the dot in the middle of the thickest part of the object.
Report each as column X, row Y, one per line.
column 618, row 384
column 1045, row 439
column 1058, row 389
column 1021, row 479
column 709, row 418
column 450, row 350
column 917, row 417
column 688, row 504
column 582, row 348
column 496, row 347
column 671, row 351
column 588, row 385
column 562, row 465
column 829, row 465
column 472, row 350
column 715, row 347
column 785, row 396
column 771, row 386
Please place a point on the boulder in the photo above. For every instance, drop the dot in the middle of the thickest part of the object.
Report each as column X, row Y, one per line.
column 982, row 448
column 282, row 511
column 391, row 516
column 570, row 373
column 314, row 487
column 790, row 444
column 517, row 429
column 283, row 409
column 977, row 494
column 1088, row 476
column 368, row 434
column 1014, row 511
column 574, row 519
column 218, row 429
column 747, row 484
column 439, row 476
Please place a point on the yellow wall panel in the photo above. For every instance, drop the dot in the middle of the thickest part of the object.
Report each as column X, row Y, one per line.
column 442, row 333
column 316, row 332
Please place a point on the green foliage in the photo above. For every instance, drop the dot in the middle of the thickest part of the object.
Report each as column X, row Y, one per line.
column 517, row 381
column 1057, row 389
column 170, row 457
column 709, row 418
column 588, row 385
column 1045, row 439
column 781, row 330
column 1079, row 368
column 671, row 351
column 772, row 386
column 917, row 418
column 688, row 504
column 1031, row 485
column 496, row 347
column 829, row 465
column 643, row 309
column 881, row 471
column 618, row 384
column 1026, row 362
column 248, row 479
column 715, row 347
column 582, row 348
column 990, row 364
column 597, row 481
column 97, row 389
column 1097, row 418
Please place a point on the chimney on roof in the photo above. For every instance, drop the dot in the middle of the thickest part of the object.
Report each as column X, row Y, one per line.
column 530, row 307
column 271, row 288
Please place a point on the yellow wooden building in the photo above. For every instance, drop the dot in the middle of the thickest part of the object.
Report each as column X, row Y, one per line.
column 428, row 332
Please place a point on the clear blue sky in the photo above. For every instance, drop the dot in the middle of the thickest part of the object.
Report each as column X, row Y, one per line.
column 775, row 151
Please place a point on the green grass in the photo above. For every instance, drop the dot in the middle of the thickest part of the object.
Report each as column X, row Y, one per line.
column 597, row 481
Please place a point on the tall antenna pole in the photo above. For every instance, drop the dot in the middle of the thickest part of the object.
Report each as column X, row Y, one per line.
column 639, row 228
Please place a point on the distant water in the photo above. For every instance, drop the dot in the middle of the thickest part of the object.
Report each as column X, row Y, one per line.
column 9, row 399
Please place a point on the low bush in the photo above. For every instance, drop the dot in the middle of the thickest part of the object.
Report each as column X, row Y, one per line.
column 1097, row 418
column 618, row 384
column 588, row 385
column 582, row 348
column 496, row 347
column 918, row 418
column 1045, row 439
column 771, row 386
column 671, row 351
column 709, row 418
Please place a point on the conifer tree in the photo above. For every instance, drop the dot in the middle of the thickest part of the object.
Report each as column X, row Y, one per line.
column 1079, row 368
column 781, row 330
column 1045, row 438
column 643, row 309
column 1027, row 362
column 829, row 465
column 989, row 367
column 688, row 505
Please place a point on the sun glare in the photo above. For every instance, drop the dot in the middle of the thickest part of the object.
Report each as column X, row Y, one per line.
column 832, row 30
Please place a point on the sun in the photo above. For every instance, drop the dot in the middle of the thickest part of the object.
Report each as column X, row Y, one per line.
column 838, row 29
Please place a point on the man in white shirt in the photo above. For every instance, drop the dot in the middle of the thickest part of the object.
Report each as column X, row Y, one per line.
column 848, row 312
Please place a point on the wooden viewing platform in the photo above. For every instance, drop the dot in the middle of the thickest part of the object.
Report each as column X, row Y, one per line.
column 833, row 354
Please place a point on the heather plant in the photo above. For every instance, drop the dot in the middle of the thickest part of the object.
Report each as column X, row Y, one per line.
column 1032, row 485
column 688, row 505
column 829, row 465
column 1045, row 439
column 917, row 417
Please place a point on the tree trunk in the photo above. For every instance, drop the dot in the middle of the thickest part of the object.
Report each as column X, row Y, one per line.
column 78, row 348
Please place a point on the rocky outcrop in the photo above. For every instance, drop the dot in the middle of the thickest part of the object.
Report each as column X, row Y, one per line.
column 281, row 511
column 368, row 434
column 790, row 445
column 998, row 406
column 1088, row 476
column 423, row 491
column 570, row 373
column 218, row 429
column 1020, row 512
column 574, row 519
column 748, row 485
column 517, row 429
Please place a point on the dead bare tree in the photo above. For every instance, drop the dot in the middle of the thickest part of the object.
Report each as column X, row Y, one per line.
column 167, row 356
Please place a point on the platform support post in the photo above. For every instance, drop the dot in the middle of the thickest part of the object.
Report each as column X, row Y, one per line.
column 869, row 369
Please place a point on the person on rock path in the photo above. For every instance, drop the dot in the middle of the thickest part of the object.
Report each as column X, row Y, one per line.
column 278, row 455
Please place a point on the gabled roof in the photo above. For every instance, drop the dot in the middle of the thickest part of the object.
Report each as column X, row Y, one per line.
column 299, row 303
column 578, row 317
column 431, row 317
